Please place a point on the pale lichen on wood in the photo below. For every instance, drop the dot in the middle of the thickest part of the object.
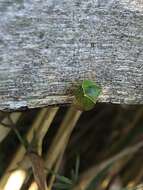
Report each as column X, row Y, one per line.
column 48, row 47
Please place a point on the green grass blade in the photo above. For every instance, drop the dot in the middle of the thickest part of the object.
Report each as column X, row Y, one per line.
column 61, row 178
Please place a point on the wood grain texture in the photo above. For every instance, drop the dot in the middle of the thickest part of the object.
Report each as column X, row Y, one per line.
column 47, row 47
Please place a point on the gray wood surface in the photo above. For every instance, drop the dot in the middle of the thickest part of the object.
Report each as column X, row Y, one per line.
column 47, row 47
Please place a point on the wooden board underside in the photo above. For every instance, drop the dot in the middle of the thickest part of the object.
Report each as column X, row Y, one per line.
column 47, row 47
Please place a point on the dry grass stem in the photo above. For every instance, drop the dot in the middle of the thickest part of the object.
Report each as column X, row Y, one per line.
column 21, row 151
column 88, row 176
column 63, row 133
column 4, row 131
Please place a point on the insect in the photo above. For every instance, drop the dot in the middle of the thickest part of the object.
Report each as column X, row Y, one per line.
column 86, row 95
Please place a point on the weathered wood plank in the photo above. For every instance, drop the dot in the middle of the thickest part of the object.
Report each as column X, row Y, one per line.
column 48, row 47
